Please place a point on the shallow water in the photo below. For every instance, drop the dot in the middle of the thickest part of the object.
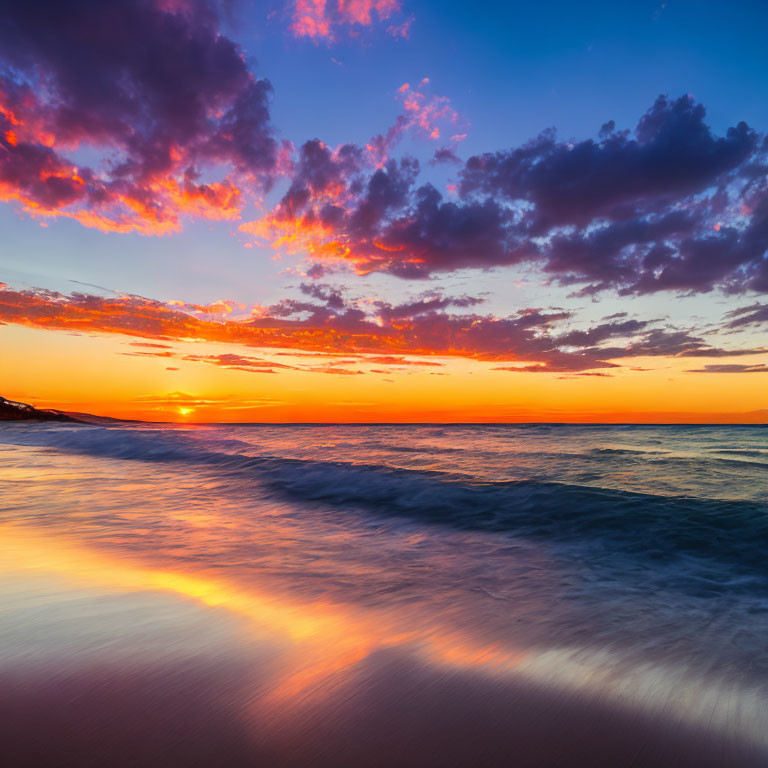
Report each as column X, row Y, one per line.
column 384, row 595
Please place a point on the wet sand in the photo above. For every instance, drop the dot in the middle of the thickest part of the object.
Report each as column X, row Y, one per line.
column 393, row 713
column 101, row 678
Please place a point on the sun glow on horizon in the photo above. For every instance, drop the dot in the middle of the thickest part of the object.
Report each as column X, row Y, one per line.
column 145, row 387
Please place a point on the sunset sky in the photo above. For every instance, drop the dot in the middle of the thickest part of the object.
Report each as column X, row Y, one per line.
column 385, row 210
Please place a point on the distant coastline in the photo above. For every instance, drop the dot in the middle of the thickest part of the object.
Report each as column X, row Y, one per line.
column 10, row 410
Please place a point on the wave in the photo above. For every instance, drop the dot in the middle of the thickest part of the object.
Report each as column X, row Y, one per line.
column 657, row 529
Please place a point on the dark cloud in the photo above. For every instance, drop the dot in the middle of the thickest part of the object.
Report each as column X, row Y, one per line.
column 332, row 297
column 639, row 212
column 601, row 332
column 434, row 235
column 601, row 255
column 319, row 172
column 153, row 85
column 670, row 206
column 735, row 368
column 672, row 154
column 445, row 155
column 382, row 221
column 660, row 342
column 317, row 271
column 431, row 301
column 558, row 363
column 754, row 314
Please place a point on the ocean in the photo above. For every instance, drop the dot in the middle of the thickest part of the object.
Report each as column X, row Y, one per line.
column 383, row 595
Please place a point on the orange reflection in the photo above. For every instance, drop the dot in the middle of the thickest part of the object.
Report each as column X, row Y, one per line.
column 323, row 638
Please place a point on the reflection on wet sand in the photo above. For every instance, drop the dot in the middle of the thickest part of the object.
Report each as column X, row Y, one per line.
column 194, row 668
column 322, row 639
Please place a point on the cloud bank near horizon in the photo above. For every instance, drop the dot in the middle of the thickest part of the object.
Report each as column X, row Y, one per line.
column 532, row 340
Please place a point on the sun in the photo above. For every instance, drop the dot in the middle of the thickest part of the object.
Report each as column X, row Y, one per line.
column 185, row 411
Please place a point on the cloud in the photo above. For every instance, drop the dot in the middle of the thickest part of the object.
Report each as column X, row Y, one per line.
column 129, row 116
column 336, row 371
column 674, row 343
column 149, row 344
column 431, row 301
column 345, row 203
column 529, row 340
column 669, row 206
column 672, row 154
column 762, row 368
column 601, row 332
column 445, row 155
column 425, row 114
column 394, row 360
column 402, row 30
column 662, row 208
column 384, row 223
column 237, row 362
column 326, row 19
column 149, row 354
column 153, row 90
column 754, row 314
column 332, row 297
column 599, row 374
column 246, row 363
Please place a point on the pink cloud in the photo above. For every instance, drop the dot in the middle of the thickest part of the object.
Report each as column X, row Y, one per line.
column 402, row 31
column 424, row 113
column 323, row 19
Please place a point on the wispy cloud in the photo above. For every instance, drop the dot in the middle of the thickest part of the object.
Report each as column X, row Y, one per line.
column 755, row 314
column 372, row 332
column 735, row 368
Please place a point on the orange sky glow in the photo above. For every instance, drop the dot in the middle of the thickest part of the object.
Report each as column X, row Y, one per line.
column 124, row 376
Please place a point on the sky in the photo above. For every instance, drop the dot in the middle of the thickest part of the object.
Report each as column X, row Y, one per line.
column 385, row 210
